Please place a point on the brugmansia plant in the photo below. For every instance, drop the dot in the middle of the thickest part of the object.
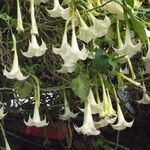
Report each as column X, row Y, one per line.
column 86, row 45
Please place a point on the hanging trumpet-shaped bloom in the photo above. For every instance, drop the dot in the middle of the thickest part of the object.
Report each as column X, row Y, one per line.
column 34, row 29
column 59, row 11
column 68, row 114
column 88, row 127
column 83, row 54
column 19, row 18
column 107, row 105
column 86, row 33
column 70, row 54
column 114, row 8
column 64, row 51
column 128, row 48
column 100, row 27
column 2, row 112
column 95, row 107
column 36, row 120
column 122, row 123
column 34, row 48
column 15, row 71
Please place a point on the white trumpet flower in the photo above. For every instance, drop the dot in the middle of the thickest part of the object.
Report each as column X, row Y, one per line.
column 70, row 54
column 88, row 127
column 59, row 11
column 34, row 29
column 86, row 33
column 2, row 112
column 128, row 48
column 19, row 27
column 95, row 107
column 64, row 51
column 115, row 8
column 122, row 123
column 15, row 71
column 100, row 27
column 107, row 105
column 68, row 114
column 36, row 120
column 34, row 48
column 109, row 114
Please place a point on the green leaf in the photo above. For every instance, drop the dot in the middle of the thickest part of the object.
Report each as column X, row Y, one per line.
column 138, row 27
column 8, row 19
column 23, row 88
column 114, row 62
column 5, row 17
column 101, row 62
column 130, row 2
column 81, row 86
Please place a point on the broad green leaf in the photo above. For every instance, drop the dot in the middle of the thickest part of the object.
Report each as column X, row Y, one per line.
column 139, row 28
column 23, row 88
column 101, row 63
column 81, row 86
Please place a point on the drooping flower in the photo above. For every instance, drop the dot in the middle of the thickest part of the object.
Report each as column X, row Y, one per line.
column 34, row 29
column 88, row 127
column 36, row 120
column 107, row 105
column 2, row 112
column 108, row 113
column 19, row 18
column 70, row 54
column 34, row 48
column 86, row 33
column 100, row 27
column 128, row 48
column 59, row 11
column 95, row 107
column 15, row 71
column 114, row 8
column 68, row 114
column 122, row 123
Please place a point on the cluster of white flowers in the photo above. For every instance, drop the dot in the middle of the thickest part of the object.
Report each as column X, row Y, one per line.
column 105, row 111
column 85, row 30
